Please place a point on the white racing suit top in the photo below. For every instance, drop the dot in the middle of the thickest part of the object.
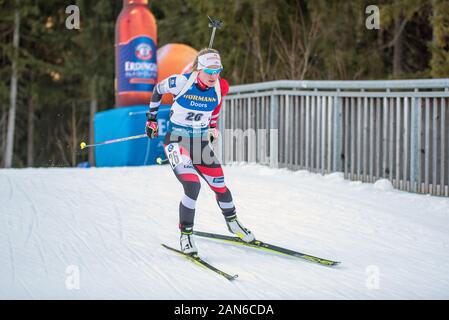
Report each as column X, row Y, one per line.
column 192, row 108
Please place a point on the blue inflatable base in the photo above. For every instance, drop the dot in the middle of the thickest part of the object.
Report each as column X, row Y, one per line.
column 125, row 122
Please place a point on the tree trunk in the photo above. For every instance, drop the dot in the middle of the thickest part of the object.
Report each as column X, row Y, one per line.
column 3, row 120
column 74, row 137
column 398, row 45
column 93, row 110
column 255, row 38
column 434, row 19
column 13, row 92
column 440, row 39
column 30, row 128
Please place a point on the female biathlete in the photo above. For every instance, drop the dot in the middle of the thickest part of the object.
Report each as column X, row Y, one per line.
column 193, row 119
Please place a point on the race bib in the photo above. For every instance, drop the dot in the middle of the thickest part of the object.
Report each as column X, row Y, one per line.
column 173, row 154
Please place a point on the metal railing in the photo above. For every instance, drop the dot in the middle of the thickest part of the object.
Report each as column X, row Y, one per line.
column 397, row 129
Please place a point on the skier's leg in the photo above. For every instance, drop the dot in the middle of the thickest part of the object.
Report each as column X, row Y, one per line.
column 190, row 181
column 212, row 173
column 214, row 176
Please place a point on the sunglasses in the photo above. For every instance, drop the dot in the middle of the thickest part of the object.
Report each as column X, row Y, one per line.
column 212, row 71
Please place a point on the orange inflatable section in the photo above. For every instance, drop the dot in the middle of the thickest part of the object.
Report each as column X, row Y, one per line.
column 174, row 58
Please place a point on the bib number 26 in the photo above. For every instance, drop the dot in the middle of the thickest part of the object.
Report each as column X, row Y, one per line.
column 192, row 116
column 173, row 154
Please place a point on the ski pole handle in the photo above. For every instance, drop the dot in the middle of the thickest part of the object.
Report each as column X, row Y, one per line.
column 84, row 145
column 214, row 24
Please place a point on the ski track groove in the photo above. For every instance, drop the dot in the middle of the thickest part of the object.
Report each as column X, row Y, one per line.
column 11, row 258
column 82, row 240
column 41, row 254
column 35, row 216
column 123, row 243
column 80, row 259
column 139, row 260
column 30, row 232
column 11, row 189
column 170, row 283
column 27, row 290
column 61, row 258
column 101, row 235
column 116, row 209
column 135, row 257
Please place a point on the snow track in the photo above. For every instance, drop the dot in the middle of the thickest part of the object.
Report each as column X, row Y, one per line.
column 108, row 224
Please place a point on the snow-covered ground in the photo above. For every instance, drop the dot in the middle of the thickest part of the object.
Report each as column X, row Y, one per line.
column 97, row 233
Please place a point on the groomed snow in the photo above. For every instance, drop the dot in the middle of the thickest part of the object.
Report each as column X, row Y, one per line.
column 96, row 234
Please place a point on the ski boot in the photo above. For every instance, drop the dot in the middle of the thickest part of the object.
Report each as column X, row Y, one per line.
column 236, row 228
column 186, row 241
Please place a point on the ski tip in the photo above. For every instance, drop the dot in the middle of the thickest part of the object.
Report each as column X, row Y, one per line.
column 332, row 264
column 233, row 277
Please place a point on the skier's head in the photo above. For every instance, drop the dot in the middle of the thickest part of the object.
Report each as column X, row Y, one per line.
column 208, row 64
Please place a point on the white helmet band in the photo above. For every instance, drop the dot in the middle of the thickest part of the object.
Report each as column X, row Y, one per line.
column 209, row 59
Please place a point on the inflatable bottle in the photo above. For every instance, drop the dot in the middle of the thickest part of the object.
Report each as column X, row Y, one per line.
column 135, row 54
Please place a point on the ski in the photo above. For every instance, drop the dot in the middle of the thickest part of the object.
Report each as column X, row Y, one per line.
column 197, row 260
column 267, row 247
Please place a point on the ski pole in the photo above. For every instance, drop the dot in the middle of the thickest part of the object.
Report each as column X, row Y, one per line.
column 214, row 24
column 84, row 145
column 161, row 161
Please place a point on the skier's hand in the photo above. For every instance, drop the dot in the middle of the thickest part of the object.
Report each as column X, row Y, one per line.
column 212, row 134
column 151, row 128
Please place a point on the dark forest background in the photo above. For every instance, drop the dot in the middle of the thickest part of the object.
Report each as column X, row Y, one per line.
column 64, row 76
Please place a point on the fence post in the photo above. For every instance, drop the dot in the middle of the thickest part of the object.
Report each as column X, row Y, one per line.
column 337, row 126
column 446, row 192
column 274, row 131
column 414, row 149
column 385, row 136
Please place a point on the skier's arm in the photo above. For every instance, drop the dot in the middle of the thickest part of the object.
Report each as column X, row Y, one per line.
column 224, row 86
column 154, row 103
column 172, row 84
